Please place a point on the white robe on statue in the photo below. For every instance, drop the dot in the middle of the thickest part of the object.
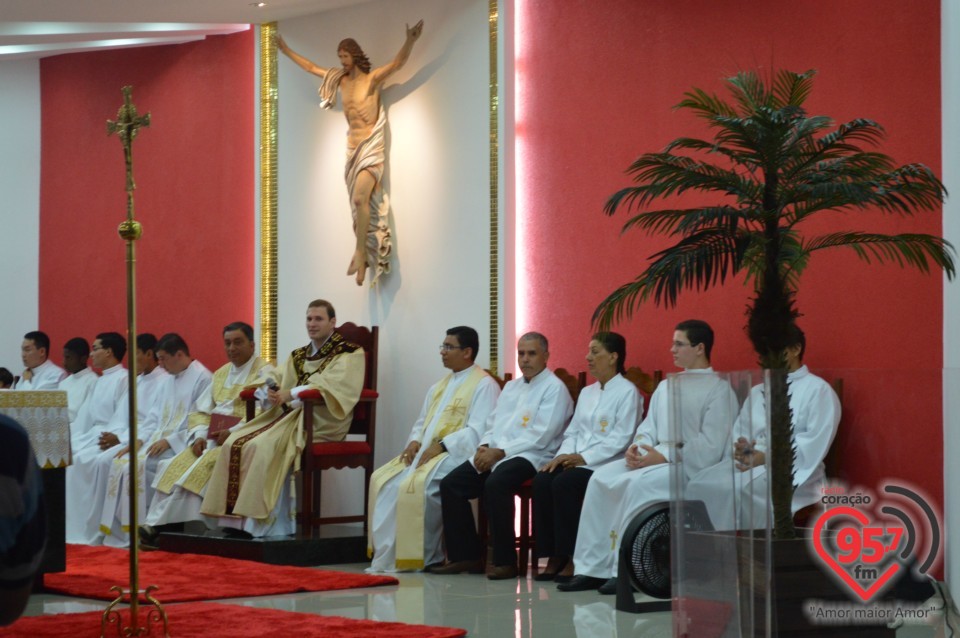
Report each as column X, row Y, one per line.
column 167, row 420
column 707, row 406
column 78, row 387
column 461, row 445
column 180, row 504
column 106, row 410
column 46, row 376
column 740, row 500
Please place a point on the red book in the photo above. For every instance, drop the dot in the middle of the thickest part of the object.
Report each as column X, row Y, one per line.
column 221, row 422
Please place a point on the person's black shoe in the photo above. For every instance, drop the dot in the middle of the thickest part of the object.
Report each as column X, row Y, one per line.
column 609, row 588
column 148, row 535
column 233, row 532
column 581, row 583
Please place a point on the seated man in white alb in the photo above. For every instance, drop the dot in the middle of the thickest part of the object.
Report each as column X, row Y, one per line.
column 405, row 525
column 162, row 435
column 250, row 487
column 523, row 432
column 735, row 490
column 79, row 383
column 181, row 482
column 706, row 406
column 94, row 437
column 149, row 374
column 41, row 373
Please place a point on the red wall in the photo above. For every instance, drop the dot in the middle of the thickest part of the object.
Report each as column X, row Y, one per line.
column 194, row 169
column 601, row 81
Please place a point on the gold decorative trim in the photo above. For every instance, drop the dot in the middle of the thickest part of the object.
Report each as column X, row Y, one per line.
column 268, row 192
column 494, row 15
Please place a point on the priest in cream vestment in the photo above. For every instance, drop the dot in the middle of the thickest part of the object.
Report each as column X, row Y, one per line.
column 181, row 482
column 405, row 522
column 250, row 482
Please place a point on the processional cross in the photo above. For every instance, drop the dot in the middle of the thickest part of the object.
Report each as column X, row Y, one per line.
column 126, row 125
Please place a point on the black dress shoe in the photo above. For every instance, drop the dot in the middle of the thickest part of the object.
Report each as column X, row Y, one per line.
column 562, row 579
column 554, row 567
column 581, row 583
column 609, row 588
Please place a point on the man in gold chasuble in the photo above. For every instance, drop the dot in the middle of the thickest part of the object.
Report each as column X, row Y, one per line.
column 249, row 489
column 181, row 482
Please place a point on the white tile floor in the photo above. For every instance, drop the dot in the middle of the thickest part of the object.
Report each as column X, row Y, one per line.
column 486, row 609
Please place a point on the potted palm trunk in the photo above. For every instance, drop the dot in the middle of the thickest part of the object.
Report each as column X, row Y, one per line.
column 771, row 167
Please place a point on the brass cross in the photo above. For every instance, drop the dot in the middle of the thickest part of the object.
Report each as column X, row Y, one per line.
column 126, row 126
column 613, row 539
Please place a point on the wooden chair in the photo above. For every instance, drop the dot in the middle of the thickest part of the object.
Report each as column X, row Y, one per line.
column 355, row 453
column 574, row 383
column 646, row 383
column 526, row 541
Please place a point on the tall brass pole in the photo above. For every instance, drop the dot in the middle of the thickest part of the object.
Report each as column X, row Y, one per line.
column 127, row 124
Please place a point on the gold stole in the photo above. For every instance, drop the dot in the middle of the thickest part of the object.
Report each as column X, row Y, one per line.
column 181, row 463
column 410, row 496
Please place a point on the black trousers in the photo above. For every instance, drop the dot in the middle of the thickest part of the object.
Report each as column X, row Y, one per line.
column 557, row 501
column 499, row 488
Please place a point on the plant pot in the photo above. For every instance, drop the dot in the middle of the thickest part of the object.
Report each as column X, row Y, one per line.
column 730, row 587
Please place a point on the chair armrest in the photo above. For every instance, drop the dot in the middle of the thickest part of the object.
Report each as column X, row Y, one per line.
column 248, row 394
column 311, row 395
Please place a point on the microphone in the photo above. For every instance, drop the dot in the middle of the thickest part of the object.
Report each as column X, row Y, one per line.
column 271, row 383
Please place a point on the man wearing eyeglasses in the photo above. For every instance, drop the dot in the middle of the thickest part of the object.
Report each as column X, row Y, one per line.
column 94, row 436
column 705, row 406
column 523, row 433
column 404, row 507
column 40, row 372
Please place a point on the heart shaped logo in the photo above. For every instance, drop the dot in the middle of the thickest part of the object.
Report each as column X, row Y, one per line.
column 858, row 554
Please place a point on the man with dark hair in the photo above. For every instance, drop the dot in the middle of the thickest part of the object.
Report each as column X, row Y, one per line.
column 404, row 508
column 40, row 372
column 94, row 436
column 149, row 373
column 523, row 432
column 6, row 379
column 359, row 89
column 705, row 405
column 79, row 383
column 181, row 482
column 816, row 416
column 249, row 488
column 161, row 435
column 23, row 522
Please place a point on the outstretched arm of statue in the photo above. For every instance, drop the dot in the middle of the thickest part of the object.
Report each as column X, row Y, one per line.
column 301, row 61
column 413, row 34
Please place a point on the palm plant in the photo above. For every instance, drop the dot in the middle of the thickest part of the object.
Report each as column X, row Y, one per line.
column 772, row 167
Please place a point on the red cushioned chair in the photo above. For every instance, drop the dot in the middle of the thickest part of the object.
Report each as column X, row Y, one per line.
column 338, row 455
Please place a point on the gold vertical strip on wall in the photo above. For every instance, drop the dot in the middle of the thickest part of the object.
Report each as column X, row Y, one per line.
column 494, row 15
column 268, row 192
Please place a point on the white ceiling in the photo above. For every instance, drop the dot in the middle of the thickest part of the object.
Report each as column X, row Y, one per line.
column 40, row 28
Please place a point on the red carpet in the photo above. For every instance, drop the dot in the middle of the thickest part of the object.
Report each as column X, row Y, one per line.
column 196, row 620
column 91, row 571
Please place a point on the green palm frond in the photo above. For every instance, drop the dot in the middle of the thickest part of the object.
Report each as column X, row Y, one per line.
column 684, row 220
column 907, row 249
column 793, row 88
column 663, row 175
